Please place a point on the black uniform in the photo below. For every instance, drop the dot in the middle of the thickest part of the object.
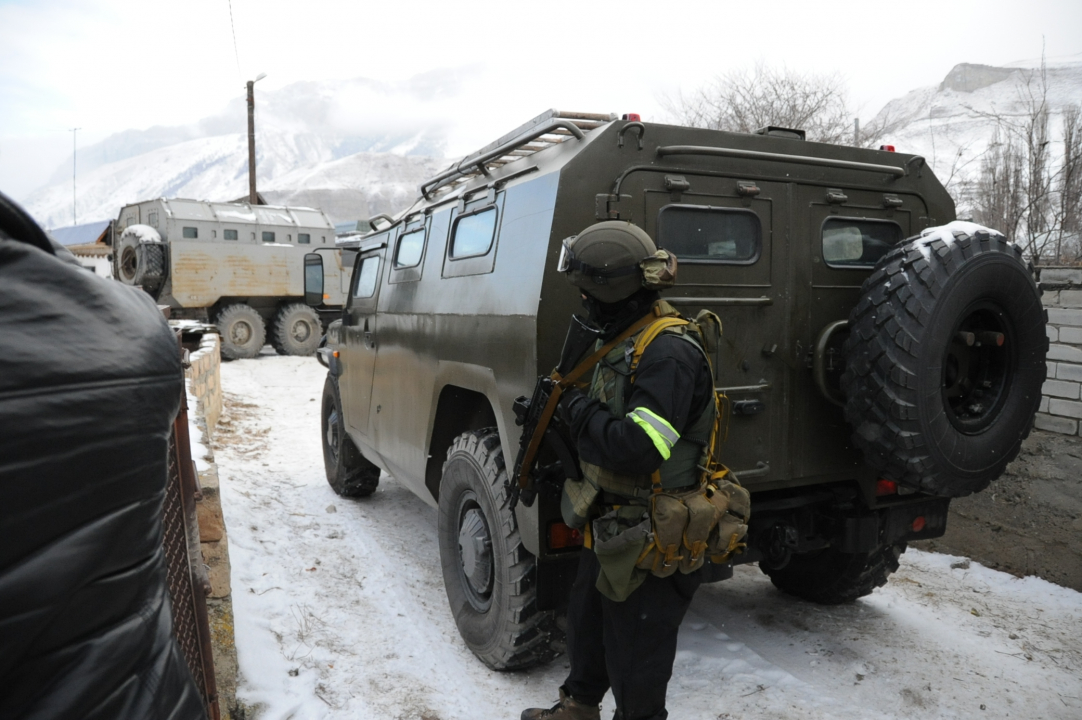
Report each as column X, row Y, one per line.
column 631, row 645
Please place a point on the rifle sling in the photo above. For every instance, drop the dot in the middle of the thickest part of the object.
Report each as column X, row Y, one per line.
column 566, row 381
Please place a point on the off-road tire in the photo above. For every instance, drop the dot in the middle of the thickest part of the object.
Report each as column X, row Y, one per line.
column 502, row 626
column 297, row 330
column 927, row 410
column 242, row 330
column 348, row 472
column 830, row 577
column 150, row 272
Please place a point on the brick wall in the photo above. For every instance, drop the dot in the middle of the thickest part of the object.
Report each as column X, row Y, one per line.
column 204, row 380
column 1061, row 403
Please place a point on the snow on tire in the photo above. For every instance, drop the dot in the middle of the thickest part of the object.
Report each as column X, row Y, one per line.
column 487, row 572
column 945, row 360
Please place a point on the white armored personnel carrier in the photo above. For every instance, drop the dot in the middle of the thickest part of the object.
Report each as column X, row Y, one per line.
column 237, row 265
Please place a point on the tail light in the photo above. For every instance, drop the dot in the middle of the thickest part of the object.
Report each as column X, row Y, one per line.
column 918, row 523
column 562, row 536
column 886, row 487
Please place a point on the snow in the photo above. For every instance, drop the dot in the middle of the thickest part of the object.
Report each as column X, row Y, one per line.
column 143, row 233
column 340, row 609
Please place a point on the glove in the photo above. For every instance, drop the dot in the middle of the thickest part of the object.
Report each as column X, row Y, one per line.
column 575, row 408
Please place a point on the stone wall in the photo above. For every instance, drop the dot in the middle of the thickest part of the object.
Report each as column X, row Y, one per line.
column 203, row 380
column 1061, row 401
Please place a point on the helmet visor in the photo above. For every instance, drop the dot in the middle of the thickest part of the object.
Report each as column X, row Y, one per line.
column 563, row 264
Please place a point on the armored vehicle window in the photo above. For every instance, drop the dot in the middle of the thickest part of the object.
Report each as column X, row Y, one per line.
column 229, row 234
column 268, row 236
column 153, row 218
column 472, row 234
column 367, row 277
column 410, row 247
column 190, row 232
column 696, row 233
column 304, row 239
column 849, row 242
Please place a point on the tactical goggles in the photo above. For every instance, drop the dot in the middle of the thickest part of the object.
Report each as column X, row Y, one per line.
column 567, row 262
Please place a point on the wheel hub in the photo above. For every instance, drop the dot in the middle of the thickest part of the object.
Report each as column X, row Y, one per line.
column 475, row 555
column 301, row 331
column 241, row 332
column 977, row 368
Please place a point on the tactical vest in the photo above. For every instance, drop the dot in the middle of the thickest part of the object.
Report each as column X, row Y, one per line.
column 611, row 384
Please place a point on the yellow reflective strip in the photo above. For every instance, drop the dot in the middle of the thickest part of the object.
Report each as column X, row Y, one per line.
column 660, row 432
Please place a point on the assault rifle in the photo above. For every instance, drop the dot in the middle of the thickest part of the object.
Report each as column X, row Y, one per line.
column 546, row 452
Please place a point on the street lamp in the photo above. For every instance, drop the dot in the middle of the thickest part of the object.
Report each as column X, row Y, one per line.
column 251, row 138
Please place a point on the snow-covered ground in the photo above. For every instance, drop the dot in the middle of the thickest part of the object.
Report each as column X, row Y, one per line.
column 341, row 613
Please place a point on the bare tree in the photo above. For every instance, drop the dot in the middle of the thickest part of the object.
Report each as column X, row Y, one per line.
column 1068, row 213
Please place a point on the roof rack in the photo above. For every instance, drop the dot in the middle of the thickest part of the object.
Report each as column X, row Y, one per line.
column 547, row 129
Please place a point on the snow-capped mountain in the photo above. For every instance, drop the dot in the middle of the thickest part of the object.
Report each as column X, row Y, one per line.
column 321, row 144
column 952, row 124
column 303, row 131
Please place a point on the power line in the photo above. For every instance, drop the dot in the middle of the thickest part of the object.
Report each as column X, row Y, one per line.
column 236, row 53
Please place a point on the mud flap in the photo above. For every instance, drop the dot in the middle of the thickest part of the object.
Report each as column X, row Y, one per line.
column 917, row 521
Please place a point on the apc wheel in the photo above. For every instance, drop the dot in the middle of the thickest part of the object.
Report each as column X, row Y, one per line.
column 488, row 574
column 140, row 259
column 829, row 577
column 242, row 330
column 297, row 330
column 348, row 472
column 945, row 361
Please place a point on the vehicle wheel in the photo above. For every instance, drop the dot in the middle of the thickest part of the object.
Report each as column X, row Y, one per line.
column 945, row 361
column 348, row 472
column 141, row 258
column 242, row 330
column 488, row 574
column 829, row 577
column 297, row 330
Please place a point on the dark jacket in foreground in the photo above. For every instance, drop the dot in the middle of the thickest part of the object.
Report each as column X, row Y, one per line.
column 90, row 382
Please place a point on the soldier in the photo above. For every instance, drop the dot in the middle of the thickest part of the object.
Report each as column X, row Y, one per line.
column 631, row 432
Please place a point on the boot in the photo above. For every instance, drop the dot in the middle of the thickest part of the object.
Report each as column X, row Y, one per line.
column 567, row 709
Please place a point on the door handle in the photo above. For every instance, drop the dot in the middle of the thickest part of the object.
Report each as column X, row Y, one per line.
column 370, row 340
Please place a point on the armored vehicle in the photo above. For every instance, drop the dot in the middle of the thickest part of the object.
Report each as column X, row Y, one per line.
column 870, row 378
column 237, row 265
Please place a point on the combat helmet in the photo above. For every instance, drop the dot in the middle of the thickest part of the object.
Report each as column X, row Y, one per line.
column 613, row 259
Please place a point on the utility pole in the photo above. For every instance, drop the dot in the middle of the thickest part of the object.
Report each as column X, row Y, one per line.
column 252, row 197
column 74, row 215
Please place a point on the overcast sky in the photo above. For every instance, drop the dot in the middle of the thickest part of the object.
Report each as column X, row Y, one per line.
column 111, row 65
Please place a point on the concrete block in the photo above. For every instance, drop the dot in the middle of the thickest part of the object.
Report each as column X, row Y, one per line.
column 1060, row 388
column 1051, row 374
column 1050, row 298
column 1053, row 333
column 1054, row 424
column 1044, row 405
column 1065, row 316
column 1070, row 298
column 1058, row 276
column 1065, row 408
column 1065, row 353
column 1067, row 371
column 1069, row 335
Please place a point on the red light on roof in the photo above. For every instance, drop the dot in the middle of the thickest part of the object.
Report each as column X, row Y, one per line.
column 918, row 523
column 563, row 536
column 888, row 148
column 886, row 487
column 633, row 117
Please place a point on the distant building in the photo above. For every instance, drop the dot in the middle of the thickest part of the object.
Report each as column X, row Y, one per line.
column 90, row 243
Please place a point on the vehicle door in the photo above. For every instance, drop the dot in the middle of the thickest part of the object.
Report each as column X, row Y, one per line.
column 359, row 324
column 847, row 232
column 728, row 234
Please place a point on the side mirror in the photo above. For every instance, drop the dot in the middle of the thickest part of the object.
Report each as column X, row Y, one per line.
column 313, row 279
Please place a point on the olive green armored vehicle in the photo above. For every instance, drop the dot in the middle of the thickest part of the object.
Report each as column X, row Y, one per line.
column 878, row 357
column 237, row 265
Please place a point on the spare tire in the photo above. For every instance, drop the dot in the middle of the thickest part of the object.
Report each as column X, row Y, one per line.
column 141, row 260
column 945, row 360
